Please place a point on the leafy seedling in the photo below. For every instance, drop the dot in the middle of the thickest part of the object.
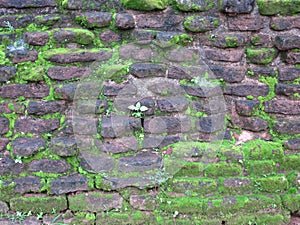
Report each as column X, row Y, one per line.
column 138, row 110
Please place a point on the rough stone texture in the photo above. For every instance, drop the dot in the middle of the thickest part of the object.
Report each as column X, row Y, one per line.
column 27, row 184
column 66, row 92
column 292, row 144
column 210, row 106
column 203, row 91
column 3, row 207
column 288, row 74
column 90, row 106
column 68, row 73
column 4, row 125
column 9, row 167
column 30, row 56
column 253, row 124
column 175, row 104
column 195, row 5
column 97, row 19
column 26, row 90
column 119, row 145
column 255, row 72
column 70, row 183
column 246, row 89
column 285, row 23
column 75, row 35
column 269, row 8
column 36, row 126
column 25, row 147
column 162, row 124
column 287, row 42
column 286, row 107
column 236, row 6
column 287, row 89
column 224, row 55
column 201, row 24
column 110, row 36
column 49, row 166
column 26, row 3
column 92, row 5
column 45, row 107
column 142, row 70
column 124, row 21
column 293, row 57
column 246, row 107
column 6, row 73
column 210, row 124
column 245, row 23
column 85, row 125
column 145, row 4
column 168, row 22
column 228, row 40
column 289, row 128
column 261, row 56
column 3, row 143
column 63, row 146
column 37, row 38
column 229, row 74
column 154, row 141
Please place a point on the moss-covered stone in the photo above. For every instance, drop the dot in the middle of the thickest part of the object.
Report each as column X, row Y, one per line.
column 235, row 185
column 277, row 219
column 291, row 202
column 146, row 5
column 260, row 167
column 261, row 56
column 81, row 36
column 37, row 204
column 272, row 184
column 36, row 73
column 273, row 7
column 200, row 23
column 194, row 5
column 7, row 190
column 115, row 73
column 290, row 163
column 223, row 169
column 190, row 169
column 85, row 218
column 183, row 205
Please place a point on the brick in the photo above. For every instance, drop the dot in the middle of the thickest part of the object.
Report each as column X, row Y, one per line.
column 175, row 104
column 25, row 147
column 170, row 22
column 228, row 74
column 76, row 55
column 37, row 38
column 70, row 183
column 194, row 5
column 210, row 124
column 270, row 8
column 228, row 40
column 287, row 89
column 142, row 202
column 39, row 203
column 36, row 126
column 287, row 42
column 236, row 6
column 194, row 186
column 203, row 91
column 26, row 4
column 224, row 55
column 27, row 184
column 162, row 124
column 261, row 56
column 286, row 107
column 289, row 128
column 124, row 21
column 6, row 73
column 49, row 166
column 246, row 107
column 292, row 57
column 95, row 202
column 142, row 70
column 30, row 56
column 26, row 90
column 110, row 36
column 246, row 89
column 285, row 23
column 3, row 143
column 245, row 23
column 200, row 23
column 95, row 19
column 63, row 146
column 45, row 107
column 4, row 125
column 292, row 144
column 67, row 73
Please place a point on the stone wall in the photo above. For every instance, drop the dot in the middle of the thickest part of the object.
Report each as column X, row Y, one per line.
column 149, row 111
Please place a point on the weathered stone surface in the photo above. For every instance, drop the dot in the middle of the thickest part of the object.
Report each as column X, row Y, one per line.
column 288, row 74
column 95, row 202
column 27, row 146
column 262, row 39
column 246, row 107
column 292, row 144
column 170, row 22
column 212, row 105
column 182, row 55
column 6, row 73
column 195, row 5
column 244, row 90
column 116, row 126
column 236, row 6
column 26, row 90
column 261, row 71
column 163, row 124
column 287, row 42
column 136, row 52
column 165, row 89
column 74, row 35
column 175, row 104
column 289, row 128
column 150, row 104
column 210, row 124
column 292, row 57
column 124, row 21
column 224, row 55
column 3, row 143
column 45, row 107
column 142, row 70
column 110, row 36
column 200, row 23
column 70, row 183
column 145, row 5
column 3, row 207
column 202, row 91
column 76, row 55
column 90, row 106
column 37, row 38
column 92, row 5
column 252, row 123
column 154, row 141
column 116, row 183
column 63, row 146
column 115, row 89
column 261, row 56
column 245, row 23
column 270, row 8
column 36, row 126
column 140, row 162
column 228, row 40
column 285, row 23
column 287, row 89
column 286, row 107
column 30, row 56
column 229, row 74
column 119, row 145
column 166, row 35
column 9, row 167
column 185, row 72
column 26, row 3
column 142, row 35
column 49, row 166
column 142, row 202
column 66, row 92
column 68, row 73
column 96, row 19
column 96, row 162
column 85, row 125
column 4, row 125
column 27, row 184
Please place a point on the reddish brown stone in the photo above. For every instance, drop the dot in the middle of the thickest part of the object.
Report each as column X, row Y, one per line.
column 142, row 70
column 202, row 91
column 173, row 104
column 158, row 21
column 110, row 36
column 224, row 55
column 252, row 123
column 3, row 143
column 288, row 74
column 287, row 89
column 210, row 106
column 36, row 126
column 63, row 146
column 255, row 72
column 115, row 89
column 245, row 23
column 163, row 124
column 6, row 73
column 9, row 167
column 246, row 107
column 287, row 42
column 26, row 90
column 70, row 183
column 201, row 23
column 26, row 3
column 285, row 23
column 156, row 141
column 97, row 19
column 262, row 39
column 68, row 73
column 45, row 107
column 286, row 107
column 49, row 166
column 119, row 145
column 136, row 52
column 4, row 125
column 92, row 5
column 229, row 74
column 289, row 128
column 244, row 90
column 182, row 55
column 228, row 40
column 237, row 6
column 85, row 125
column 65, row 92
column 27, row 184
column 142, row 202
column 293, row 57
column 124, row 21
column 25, row 147
column 211, row 123
column 37, row 38
column 30, row 56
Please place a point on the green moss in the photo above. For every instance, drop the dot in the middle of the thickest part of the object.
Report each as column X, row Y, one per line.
column 48, row 54
column 223, row 169
column 82, row 36
column 285, row 7
column 255, row 40
column 117, row 72
column 291, row 202
column 261, row 56
column 290, row 162
column 184, row 205
column 190, row 169
column 182, row 39
column 84, row 218
column 260, row 168
column 189, row 6
column 250, row 97
column 231, row 42
column 193, row 186
column 272, row 184
column 7, row 191
column 234, row 186
column 28, row 72
column 146, row 5
column 257, row 219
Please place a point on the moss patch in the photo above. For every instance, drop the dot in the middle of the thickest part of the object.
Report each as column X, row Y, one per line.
column 261, row 56
column 146, row 5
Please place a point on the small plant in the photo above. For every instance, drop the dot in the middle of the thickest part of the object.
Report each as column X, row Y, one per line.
column 40, row 216
column 138, row 110
column 9, row 26
column 18, row 46
column 18, row 159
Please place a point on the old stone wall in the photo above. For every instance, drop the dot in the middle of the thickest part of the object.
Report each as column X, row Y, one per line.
column 149, row 111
